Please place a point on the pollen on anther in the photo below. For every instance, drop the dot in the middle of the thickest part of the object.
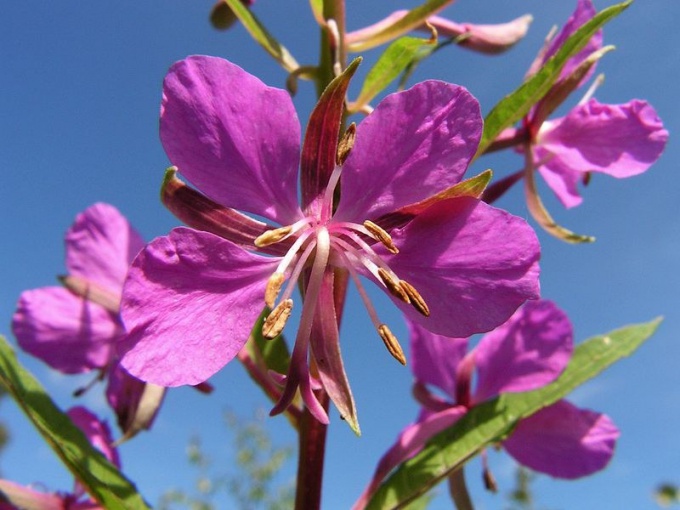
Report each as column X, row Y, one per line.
column 273, row 288
column 276, row 320
column 272, row 236
column 381, row 235
column 393, row 285
column 416, row 299
column 392, row 344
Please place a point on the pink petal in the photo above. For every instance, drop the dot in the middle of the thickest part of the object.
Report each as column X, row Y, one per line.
column 527, row 352
column 564, row 441
column 473, row 264
column 190, row 301
column 410, row 441
column 583, row 13
column 414, row 144
column 68, row 333
column 100, row 245
column 231, row 136
column 96, row 431
column 619, row 140
column 562, row 180
column 435, row 358
column 14, row 496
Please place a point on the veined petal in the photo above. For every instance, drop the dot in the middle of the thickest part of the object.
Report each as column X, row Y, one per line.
column 100, row 245
column 527, row 352
column 68, row 333
column 490, row 39
column 619, row 140
column 564, row 441
column 409, row 442
column 473, row 264
column 434, row 358
column 562, row 180
column 414, row 144
column 231, row 136
column 189, row 304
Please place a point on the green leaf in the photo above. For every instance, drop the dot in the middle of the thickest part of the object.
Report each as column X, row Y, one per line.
column 492, row 421
column 395, row 59
column 415, row 18
column 268, row 354
column 516, row 105
column 101, row 479
column 262, row 36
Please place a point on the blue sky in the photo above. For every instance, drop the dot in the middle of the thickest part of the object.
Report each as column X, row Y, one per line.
column 80, row 91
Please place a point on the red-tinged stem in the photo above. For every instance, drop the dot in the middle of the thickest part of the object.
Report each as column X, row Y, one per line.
column 311, row 456
column 458, row 490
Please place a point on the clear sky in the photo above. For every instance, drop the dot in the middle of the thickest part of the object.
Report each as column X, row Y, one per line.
column 79, row 98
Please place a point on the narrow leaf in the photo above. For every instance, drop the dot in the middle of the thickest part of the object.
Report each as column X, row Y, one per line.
column 262, row 36
column 100, row 478
column 492, row 421
column 396, row 58
column 412, row 20
column 517, row 104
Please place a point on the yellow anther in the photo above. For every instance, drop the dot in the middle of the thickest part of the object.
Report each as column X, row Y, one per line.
column 380, row 234
column 273, row 288
column 393, row 285
column 276, row 320
column 345, row 144
column 416, row 299
column 392, row 344
column 272, row 236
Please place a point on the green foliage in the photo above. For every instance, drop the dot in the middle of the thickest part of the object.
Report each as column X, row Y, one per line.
column 101, row 479
column 251, row 486
column 667, row 494
column 490, row 422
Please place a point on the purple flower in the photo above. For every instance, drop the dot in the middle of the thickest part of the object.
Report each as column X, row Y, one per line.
column 620, row 140
column 452, row 264
column 76, row 329
column 527, row 352
column 16, row 497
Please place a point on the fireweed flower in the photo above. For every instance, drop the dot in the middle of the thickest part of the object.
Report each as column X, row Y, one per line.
column 16, row 497
column 454, row 265
column 76, row 329
column 527, row 352
column 620, row 140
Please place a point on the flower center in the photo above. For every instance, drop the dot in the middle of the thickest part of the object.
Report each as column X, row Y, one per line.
column 346, row 245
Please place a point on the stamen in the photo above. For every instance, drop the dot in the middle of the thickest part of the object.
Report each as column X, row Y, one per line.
column 416, row 299
column 272, row 236
column 392, row 344
column 273, row 288
column 345, row 144
column 381, row 235
column 275, row 322
column 393, row 286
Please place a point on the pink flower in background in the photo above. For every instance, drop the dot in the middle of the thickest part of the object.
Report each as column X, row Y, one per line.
column 620, row 140
column 454, row 265
column 76, row 329
column 17, row 497
column 527, row 352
